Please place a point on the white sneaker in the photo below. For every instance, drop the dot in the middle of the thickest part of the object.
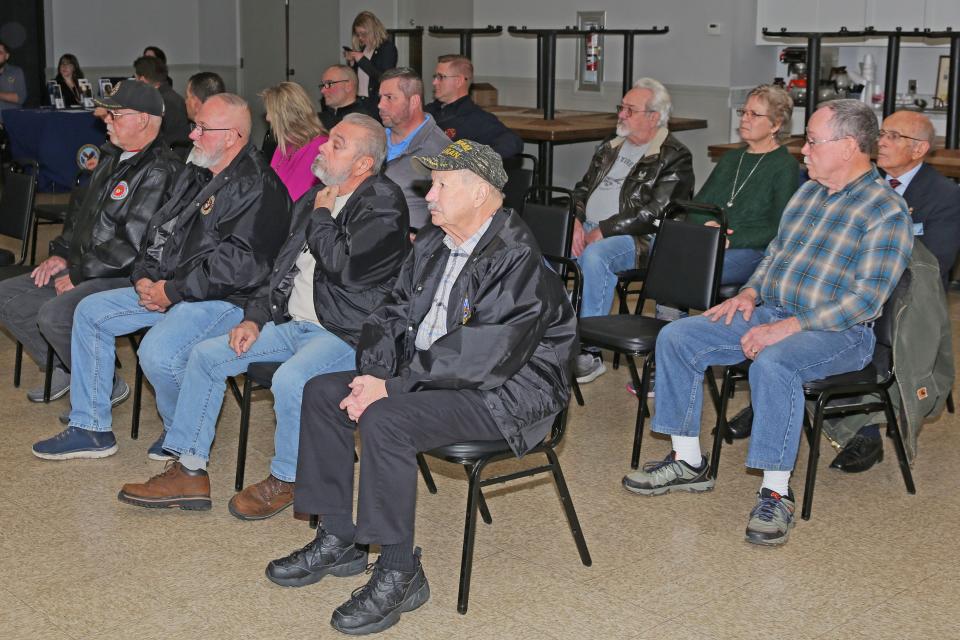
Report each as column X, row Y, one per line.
column 588, row 367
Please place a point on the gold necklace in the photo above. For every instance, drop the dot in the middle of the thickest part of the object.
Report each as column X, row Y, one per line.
column 734, row 191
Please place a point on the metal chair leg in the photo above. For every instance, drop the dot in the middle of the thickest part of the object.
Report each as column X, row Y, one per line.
column 244, row 432
column 814, row 458
column 137, row 400
column 33, row 248
column 567, row 503
column 469, row 535
column 17, row 365
column 48, row 374
column 425, row 472
column 481, row 501
column 641, row 384
column 898, row 443
column 721, row 429
column 576, row 392
column 950, row 402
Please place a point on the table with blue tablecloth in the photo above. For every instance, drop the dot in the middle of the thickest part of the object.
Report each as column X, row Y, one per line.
column 61, row 141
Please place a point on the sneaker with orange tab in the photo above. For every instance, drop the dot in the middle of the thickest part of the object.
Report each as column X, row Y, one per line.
column 772, row 518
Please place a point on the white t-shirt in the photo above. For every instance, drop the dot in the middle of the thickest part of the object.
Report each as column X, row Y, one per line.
column 300, row 307
column 605, row 199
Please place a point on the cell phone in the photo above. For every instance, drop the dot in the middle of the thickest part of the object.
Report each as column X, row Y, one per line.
column 346, row 48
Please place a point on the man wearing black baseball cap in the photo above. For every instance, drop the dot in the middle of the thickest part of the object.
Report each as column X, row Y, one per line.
column 473, row 343
column 101, row 237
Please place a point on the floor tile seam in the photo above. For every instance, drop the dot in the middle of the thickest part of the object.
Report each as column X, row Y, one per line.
column 39, row 612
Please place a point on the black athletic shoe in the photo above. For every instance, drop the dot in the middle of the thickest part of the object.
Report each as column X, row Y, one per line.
column 325, row 555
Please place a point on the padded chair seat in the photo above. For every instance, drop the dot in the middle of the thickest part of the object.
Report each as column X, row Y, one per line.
column 624, row 332
column 866, row 376
column 7, row 260
column 458, row 452
column 262, row 373
column 631, row 275
column 56, row 213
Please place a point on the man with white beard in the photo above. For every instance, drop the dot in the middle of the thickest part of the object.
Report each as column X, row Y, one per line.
column 205, row 252
column 347, row 241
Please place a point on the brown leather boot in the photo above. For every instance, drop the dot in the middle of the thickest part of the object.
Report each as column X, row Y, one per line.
column 262, row 500
column 175, row 487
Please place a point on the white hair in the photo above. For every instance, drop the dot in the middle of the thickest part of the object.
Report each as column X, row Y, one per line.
column 660, row 101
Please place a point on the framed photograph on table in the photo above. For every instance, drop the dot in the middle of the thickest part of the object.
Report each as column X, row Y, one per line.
column 943, row 79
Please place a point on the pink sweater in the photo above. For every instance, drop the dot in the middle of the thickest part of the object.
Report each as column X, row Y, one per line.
column 294, row 168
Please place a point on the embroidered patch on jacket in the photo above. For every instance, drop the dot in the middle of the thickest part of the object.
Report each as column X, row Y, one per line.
column 207, row 206
column 451, row 133
column 922, row 393
column 120, row 191
column 88, row 156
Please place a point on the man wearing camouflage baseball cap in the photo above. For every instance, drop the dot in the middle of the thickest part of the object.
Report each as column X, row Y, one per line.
column 473, row 343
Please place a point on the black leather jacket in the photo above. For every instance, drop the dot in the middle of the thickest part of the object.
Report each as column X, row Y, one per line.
column 511, row 330
column 358, row 256
column 663, row 175
column 102, row 237
column 217, row 237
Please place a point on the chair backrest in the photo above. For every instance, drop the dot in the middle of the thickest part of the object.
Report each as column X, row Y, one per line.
column 16, row 208
column 521, row 175
column 551, row 224
column 569, row 272
column 686, row 261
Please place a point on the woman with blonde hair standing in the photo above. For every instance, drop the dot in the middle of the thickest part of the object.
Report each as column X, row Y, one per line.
column 299, row 134
column 372, row 54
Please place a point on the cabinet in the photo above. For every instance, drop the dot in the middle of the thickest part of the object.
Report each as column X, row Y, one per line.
column 830, row 15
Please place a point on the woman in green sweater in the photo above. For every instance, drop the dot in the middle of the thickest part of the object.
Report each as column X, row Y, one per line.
column 753, row 183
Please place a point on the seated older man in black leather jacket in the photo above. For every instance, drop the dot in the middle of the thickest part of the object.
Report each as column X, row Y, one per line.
column 100, row 239
column 632, row 178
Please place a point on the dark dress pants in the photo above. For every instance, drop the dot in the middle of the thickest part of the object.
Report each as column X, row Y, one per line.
column 33, row 313
column 392, row 431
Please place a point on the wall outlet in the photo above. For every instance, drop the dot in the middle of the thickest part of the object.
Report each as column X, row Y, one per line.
column 715, row 28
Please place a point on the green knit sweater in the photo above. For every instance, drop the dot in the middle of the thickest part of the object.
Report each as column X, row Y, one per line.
column 755, row 214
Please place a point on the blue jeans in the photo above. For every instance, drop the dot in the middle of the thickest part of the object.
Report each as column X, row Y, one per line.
column 306, row 350
column 600, row 262
column 163, row 353
column 686, row 348
column 739, row 265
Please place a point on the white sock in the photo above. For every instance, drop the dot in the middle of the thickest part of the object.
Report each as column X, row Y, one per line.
column 778, row 481
column 192, row 463
column 687, row 449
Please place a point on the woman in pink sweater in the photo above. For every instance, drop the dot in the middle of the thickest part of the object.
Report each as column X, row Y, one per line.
column 299, row 135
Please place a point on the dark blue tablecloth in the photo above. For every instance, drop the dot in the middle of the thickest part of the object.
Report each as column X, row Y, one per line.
column 58, row 140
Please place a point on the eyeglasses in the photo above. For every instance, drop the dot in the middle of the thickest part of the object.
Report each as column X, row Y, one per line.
column 631, row 111
column 812, row 143
column 751, row 115
column 202, row 129
column 116, row 115
column 441, row 76
column 894, row 136
column 328, row 84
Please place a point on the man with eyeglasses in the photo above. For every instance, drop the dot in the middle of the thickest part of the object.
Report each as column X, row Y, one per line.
column 458, row 115
column 175, row 131
column 806, row 313
column 632, row 178
column 101, row 237
column 339, row 90
column 905, row 140
column 205, row 252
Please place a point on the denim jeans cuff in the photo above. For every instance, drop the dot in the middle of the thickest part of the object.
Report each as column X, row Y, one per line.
column 87, row 428
column 185, row 450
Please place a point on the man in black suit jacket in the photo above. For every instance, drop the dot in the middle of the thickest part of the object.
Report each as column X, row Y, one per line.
column 905, row 140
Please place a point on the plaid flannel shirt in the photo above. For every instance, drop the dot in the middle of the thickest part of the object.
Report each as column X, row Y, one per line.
column 836, row 257
column 434, row 325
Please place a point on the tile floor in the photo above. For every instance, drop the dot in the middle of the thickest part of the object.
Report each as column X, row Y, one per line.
column 873, row 562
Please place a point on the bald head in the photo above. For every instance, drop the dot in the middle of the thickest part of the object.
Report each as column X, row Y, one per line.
column 223, row 129
column 905, row 139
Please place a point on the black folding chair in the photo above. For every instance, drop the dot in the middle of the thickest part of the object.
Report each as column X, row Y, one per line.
column 48, row 214
column 873, row 380
column 476, row 455
column 684, row 271
column 521, row 175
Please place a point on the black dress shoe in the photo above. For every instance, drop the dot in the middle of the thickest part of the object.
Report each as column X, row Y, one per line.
column 378, row 604
column 740, row 425
column 860, row 454
column 325, row 555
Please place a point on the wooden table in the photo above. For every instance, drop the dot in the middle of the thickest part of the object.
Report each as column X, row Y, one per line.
column 567, row 127
column 946, row 161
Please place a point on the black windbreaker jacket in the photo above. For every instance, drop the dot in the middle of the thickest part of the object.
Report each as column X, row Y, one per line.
column 358, row 256
column 102, row 237
column 511, row 330
column 217, row 237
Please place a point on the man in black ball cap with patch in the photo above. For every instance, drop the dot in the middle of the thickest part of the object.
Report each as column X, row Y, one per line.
column 473, row 343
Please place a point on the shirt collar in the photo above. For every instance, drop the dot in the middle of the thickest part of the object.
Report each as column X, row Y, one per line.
column 905, row 179
column 470, row 243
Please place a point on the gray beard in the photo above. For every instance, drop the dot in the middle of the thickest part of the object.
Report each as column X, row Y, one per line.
column 327, row 178
column 199, row 159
